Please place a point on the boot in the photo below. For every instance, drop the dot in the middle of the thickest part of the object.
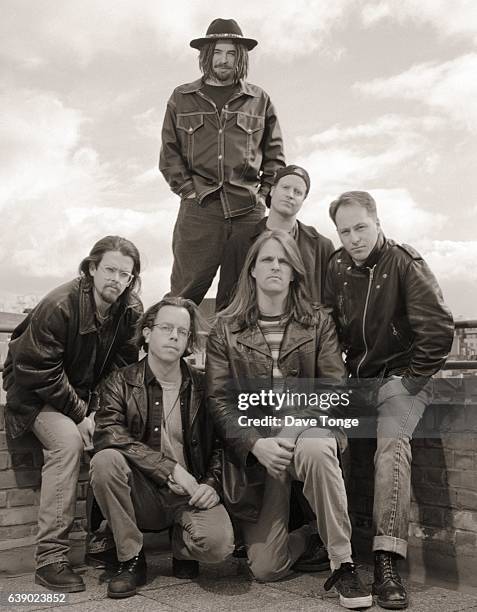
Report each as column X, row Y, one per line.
column 129, row 575
column 388, row 586
column 59, row 576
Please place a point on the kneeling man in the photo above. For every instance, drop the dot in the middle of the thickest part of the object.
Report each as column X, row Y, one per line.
column 157, row 463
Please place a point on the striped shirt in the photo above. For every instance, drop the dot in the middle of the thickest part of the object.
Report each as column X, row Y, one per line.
column 273, row 330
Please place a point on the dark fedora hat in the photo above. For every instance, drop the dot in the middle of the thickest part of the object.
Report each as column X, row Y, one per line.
column 222, row 29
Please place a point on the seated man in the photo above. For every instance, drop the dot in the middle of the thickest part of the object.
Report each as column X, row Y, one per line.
column 285, row 200
column 157, row 463
column 57, row 356
column 272, row 335
column 395, row 329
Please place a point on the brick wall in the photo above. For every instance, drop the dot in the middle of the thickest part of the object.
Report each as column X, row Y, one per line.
column 443, row 527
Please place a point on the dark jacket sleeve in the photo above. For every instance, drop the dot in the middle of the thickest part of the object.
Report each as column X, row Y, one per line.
column 223, row 402
column 431, row 322
column 272, row 148
column 171, row 161
column 213, row 476
column 112, row 432
column 37, row 361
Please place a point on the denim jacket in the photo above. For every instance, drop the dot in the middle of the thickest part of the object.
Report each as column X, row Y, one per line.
column 239, row 150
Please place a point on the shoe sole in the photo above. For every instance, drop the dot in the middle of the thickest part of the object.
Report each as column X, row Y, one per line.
column 75, row 588
column 392, row 606
column 356, row 602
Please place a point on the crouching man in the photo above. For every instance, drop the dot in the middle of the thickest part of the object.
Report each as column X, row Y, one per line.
column 271, row 335
column 157, row 463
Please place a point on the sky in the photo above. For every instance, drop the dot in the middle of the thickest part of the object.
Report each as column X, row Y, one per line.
column 378, row 95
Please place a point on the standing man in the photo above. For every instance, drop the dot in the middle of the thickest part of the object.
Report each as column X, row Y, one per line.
column 78, row 333
column 158, row 462
column 395, row 328
column 273, row 339
column 221, row 146
column 290, row 188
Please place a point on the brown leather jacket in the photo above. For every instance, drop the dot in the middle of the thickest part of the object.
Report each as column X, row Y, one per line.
column 122, row 418
column 52, row 354
column 240, row 357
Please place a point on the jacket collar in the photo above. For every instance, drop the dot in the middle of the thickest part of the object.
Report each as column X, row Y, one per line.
column 373, row 257
column 195, row 86
column 303, row 229
column 252, row 337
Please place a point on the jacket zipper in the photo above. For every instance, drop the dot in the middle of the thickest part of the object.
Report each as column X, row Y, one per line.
column 111, row 345
column 370, row 282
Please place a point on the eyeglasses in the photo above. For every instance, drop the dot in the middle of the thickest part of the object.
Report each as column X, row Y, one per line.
column 167, row 329
column 125, row 278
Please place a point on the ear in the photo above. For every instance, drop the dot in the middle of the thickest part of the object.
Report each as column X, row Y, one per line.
column 146, row 332
column 92, row 268
column 252, row 272
column 378, row 223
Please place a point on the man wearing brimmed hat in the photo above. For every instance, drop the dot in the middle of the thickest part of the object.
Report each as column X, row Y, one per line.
column 221, row 146
column 290, row 189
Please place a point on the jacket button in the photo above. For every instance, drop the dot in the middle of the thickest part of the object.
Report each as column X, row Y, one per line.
column 194, row 442
column 293, row 372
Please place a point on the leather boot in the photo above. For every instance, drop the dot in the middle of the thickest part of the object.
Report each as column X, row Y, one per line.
column 59, row 576
column 129, row 575
column 388, row 586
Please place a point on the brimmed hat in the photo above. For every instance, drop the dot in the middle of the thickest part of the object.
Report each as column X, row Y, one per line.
column 291, row 169
column 221, row 29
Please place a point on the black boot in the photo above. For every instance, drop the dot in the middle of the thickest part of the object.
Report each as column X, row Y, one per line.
column 388, row 586
column 59, row 576
column 129, row 575
column 185, row 569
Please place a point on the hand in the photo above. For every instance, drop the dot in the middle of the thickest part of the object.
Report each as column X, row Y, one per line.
column 185, row 480
column 86, row 429
column 274, row 454
column 205, row 497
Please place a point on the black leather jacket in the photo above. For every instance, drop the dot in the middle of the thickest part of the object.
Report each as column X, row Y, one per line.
column 239, row 357
column 122, row 419
column 314, row 248
column 390, row 314
column 52, row 354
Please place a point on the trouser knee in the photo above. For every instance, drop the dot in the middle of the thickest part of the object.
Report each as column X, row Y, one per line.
column 104, row 465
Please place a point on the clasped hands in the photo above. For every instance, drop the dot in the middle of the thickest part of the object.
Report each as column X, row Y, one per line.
column 202, row 496
column 275, row 454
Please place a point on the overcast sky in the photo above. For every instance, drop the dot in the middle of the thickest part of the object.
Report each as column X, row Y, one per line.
column 377, row 95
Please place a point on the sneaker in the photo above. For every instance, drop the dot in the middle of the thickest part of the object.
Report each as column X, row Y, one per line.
column 129, row 575
column 187, row 569
column 59, row 576
column 353, row 594
column 315, row 557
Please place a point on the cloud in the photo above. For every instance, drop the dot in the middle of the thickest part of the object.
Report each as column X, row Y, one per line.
column 449, row 87
column 88, row 28
column 456, row 19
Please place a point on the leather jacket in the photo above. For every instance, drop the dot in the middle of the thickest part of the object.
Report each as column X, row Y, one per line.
column 238, row 150
column 315, row 250
column 52, row 353
column 239, row 356
column 121, row 423
column 390, row 314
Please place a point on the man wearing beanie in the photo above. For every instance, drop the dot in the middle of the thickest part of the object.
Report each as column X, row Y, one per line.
column 291, row 187
column 221, row 146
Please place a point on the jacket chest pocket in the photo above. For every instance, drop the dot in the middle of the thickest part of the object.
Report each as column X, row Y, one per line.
column 188, row 126
column 251, row 129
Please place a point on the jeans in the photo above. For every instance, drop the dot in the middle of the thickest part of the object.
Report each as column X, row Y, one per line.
column 272, row 551
column 130, row 502
column 398, row 414
column 198, row 242
column 62, row 452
